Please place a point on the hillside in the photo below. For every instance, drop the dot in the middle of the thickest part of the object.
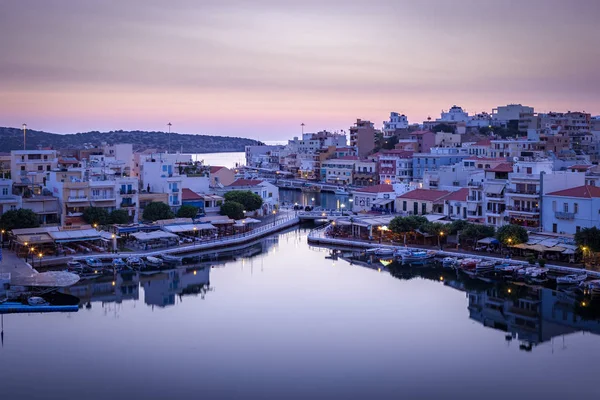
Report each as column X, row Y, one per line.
column 12, row 139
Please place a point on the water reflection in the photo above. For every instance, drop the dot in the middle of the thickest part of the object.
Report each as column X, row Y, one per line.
column 165, row 288
column 530, row 314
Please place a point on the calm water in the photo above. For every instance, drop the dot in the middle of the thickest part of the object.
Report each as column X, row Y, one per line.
column 228, row 160
column 291, row 323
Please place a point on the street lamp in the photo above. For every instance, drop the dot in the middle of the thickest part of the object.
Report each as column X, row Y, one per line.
column 343, row 206
column 274, row 213
column 40, row 257
column 439, row 239
column 2, row 238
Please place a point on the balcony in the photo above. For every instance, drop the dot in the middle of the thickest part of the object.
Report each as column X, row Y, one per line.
column 175, row 190
column 127, row 205
column 74, row 199
column 564, row 215
column 106, row 197
column 473, row 198
column 176, row 203
column 127, row 192
column 475, row 184
column 534, row 210
column 526, row 192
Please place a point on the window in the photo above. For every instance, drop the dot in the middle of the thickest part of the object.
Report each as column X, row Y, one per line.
column 566, row 207
column 554, row 205
column 22, row 168
column 575, row 208
column 47, row 168
column 404, row 205
column 4, row 191
column 554, row 228
column 577, row 229
column 423, row 208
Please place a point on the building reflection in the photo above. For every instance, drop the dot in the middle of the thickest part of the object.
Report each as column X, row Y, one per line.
column 168, row 287
column 106, row 289
column 529, row 314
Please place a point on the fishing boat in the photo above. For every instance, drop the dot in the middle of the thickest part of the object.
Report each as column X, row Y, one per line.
column 415, row 255
column 382, row 251
column 534, row 274
column 311, row 189
column 591, row 288
column 119, row 264
column 74, row 264
column 135, row 262
column 341, row 192
column 449, row 262
column 154, row 262
column 93, row 263
column 484, row 267
column 507, row 269
column 469, row 262
column 171, row 259
column 573, row 279
column 36, row 301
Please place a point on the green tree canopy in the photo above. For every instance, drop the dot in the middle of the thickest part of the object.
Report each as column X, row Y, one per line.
column 18, row 219
column 157, row 210
column 477, row 231
column 458, row 225
column 407, row 224
column 187, row 211
column 233, row 210
column 119, row 217
column 512, row 234
column 589, row 237
column 95, row 215
column 250, row 201
column 435, row 228
column 443, row 128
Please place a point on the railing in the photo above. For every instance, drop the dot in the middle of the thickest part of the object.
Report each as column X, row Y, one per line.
column 477, row 184
column 473, row 198
column 564, row 215
column 126, row 192
column 176, row 203
column 127, row 205
column 523, row 191
column 175, row 190
column 523, row 209
column 77, row 198
column 105, row 197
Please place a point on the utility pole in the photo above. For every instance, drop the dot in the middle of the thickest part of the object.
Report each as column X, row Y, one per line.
column 24, row 136
column 169, row 136
column 302, row 125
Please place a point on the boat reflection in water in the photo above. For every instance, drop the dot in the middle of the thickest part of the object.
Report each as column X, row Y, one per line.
column 165, row 288
column 530, row 314
column 106, row 289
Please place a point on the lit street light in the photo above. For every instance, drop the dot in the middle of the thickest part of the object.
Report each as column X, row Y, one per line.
column 439, row 239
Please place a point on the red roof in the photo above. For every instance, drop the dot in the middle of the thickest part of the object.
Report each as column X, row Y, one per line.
column 580, row 166
column 397, row 152
column 483, row 142
column 347, row 158
column 214, row 170
column 585, row 192
column 246, row 182
column 420, row 132
column 479, row 158
column 459, row 195
column 376, row 189
column 504, row 167
column 188, row 194
column 425, row 194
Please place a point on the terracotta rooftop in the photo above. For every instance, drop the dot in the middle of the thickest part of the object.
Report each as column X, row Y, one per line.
column 346, row 158
column 246, row 182
column 459, row 195
column 214, row 170
column 581, row 166
column 504, row 167
column 425, row 194
column 496, row 159
column 188, row 194
column 483, row 142
column 584, row 192
column 383, row 188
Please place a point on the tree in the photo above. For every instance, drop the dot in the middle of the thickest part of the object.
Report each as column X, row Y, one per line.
column 477, row 231
column 157, row 210
column 187, row 211
column 512, row 234
column 443, row 128
column 589, row 238
column 250, row 201
column 95, row 215
column 233, row 210
column 404, row 225
column 458, row 225
column 119, row 217
column 389, row 143
column 18, row 219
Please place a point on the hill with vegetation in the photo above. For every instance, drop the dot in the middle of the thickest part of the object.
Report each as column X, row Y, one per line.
column 12, row 139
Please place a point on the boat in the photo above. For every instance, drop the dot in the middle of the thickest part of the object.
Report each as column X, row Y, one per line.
column 118, row 264
column 93, row 263
column 534, row 274
column 484, row 267
column 171, row 259
column 154, row 261
column 591, row 288
column 508, row 269
column 134, row 262
column 573, row 279
column 311, row 189
column 74, row 264
column 36, row 301
column 469, row 262
column 415, row 255
column 449, row 262
column 341, row 192
column 382, row 251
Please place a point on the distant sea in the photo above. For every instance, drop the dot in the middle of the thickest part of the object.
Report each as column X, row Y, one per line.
column 229, row 160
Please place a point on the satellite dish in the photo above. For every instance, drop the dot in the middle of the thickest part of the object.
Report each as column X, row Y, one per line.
column 515, row 159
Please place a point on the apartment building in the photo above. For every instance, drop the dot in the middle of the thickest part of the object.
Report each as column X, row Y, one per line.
column 339, row 171
column 395, row 166
column 396, row 122
column 570, row 210
column 30, row 167
column 362, row 137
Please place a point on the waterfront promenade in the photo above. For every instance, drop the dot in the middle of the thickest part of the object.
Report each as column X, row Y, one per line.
column 318, row 236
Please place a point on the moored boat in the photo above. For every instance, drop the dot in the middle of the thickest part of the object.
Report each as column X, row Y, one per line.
column 171, row 259
column 484, row 267
column 573, row 279
column 341, row 192
column 382, row 251
column 118, row 264
column 93, row 263
column 134, row 262
column 415, row 255
column 449, row 262
column 154, row 262
column 311, row 189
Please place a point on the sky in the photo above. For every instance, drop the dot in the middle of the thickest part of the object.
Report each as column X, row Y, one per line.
column 260, row 68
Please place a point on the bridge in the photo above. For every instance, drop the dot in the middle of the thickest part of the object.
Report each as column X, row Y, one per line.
column 321, row 215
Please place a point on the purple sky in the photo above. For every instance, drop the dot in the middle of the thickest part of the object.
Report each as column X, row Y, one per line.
column 259, row 68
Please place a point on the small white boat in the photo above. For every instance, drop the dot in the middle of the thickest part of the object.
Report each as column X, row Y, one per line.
column 154, row 261
column 415, row 255
column 382, row 251
column 74, row 264
column 171, row 259
column 36, row 301
column 118, row 263
column 591, row 288
column 449, row 262
column 341, row 192
column 508, row 268
column 573, row 279
column 484, row 267
column 134, row 262
column 93, row 263
column 535, row 274
column 469, row 262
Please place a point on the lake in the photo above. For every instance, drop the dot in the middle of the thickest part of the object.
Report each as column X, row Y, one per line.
column 292, row 323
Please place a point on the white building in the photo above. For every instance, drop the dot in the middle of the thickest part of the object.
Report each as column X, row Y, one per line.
column 30, row 167
column 570, row 210
column 455, row 114
column 268, row 192
column 8, row 201
column 510, row 112
column 396, row 121
column 377, row 197
column 263, row 156
column 161, row 175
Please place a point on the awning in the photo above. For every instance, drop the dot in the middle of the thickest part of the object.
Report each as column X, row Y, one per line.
column 75, row 235
column 488, row 240
column 188, row 228
column 433, row 217
column 494, row 188
column 156, row 235
column 108, row 236
column 46, row 279
column 382, row 202
column 471, row 206
column 35, row 238
column 31, row 231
